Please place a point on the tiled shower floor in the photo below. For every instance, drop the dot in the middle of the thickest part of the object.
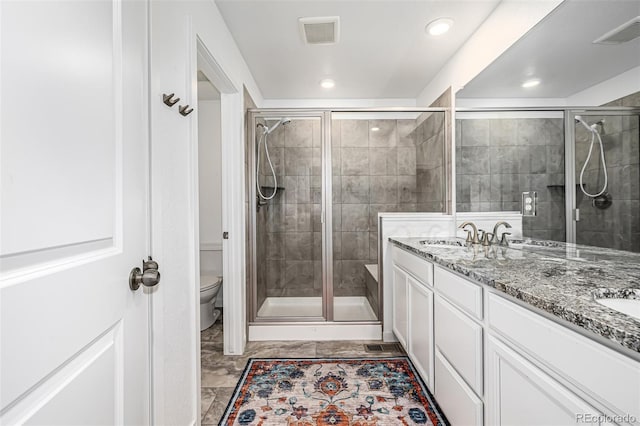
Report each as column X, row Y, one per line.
column 221, row 373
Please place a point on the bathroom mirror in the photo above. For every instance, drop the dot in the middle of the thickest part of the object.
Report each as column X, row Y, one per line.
column 520, row 146
column 575, row 71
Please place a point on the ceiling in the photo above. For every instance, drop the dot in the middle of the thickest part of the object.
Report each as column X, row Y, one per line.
column 383, row 50
column 559, row 51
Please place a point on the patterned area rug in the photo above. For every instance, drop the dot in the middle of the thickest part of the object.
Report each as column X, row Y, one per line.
column 332, row 391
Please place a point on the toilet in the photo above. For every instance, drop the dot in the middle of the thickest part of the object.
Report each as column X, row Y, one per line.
column 209, row 287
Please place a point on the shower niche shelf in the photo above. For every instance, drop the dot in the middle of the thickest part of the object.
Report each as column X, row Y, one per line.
column 561, row 186
column 271, row 188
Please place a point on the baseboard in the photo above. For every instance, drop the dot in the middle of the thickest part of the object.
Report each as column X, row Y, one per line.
column 388, row 336
column 315, row 332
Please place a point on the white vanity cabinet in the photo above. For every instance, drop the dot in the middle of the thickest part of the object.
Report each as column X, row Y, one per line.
column 413, row 310
column 491, row 360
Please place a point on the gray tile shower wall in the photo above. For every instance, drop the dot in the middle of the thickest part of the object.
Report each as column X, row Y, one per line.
column 430, row 162
column 498, row 159
column 390, row 169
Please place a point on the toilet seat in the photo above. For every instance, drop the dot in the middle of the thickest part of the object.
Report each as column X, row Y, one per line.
column 209, row 281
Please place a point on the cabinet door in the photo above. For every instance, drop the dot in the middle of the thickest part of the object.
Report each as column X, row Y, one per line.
column 400, row 305
column 420, row 338
column 520, row 393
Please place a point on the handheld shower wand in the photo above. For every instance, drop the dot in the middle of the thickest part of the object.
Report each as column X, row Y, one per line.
column 266, row 130
column 594, row 133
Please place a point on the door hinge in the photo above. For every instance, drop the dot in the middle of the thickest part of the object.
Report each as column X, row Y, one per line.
column 225, row 235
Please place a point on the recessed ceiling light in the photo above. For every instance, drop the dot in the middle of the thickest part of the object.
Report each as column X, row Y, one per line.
column 439, row 26
column 531, row 83
column 375, row 129
column 327, row 83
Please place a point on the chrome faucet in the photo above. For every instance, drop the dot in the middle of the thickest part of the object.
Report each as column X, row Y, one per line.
column 495, row 239
column 470, row 239
column 486, row 238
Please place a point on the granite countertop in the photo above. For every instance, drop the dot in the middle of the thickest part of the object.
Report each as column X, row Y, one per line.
column 561, row 279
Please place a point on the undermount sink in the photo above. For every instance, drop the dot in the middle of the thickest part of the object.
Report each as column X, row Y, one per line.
column 629, row 307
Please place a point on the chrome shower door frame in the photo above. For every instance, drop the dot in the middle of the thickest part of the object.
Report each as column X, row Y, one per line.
column 327, row 270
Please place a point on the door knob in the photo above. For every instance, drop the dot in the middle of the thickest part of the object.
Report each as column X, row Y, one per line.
column 149, row 277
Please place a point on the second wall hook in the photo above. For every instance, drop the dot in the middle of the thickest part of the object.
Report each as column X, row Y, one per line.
column 185, row 110
column 168, row 101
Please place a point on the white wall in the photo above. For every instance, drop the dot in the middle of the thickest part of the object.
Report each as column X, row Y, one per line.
column 210, row 188
column 510, row 20
column 176, row 27
column 609, row 90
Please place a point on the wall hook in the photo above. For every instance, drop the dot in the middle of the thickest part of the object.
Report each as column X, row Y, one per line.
column 185, row 110
column 167, row 99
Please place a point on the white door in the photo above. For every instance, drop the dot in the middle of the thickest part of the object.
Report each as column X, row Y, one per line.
column 73, row 149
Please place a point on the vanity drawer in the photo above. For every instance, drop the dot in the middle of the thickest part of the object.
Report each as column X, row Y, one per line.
column 608, row 376
column 463, row 293
column 459, row 338
column 411, row 263
column 459, row 403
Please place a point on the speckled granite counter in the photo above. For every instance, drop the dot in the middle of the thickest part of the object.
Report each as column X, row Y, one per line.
column 561, row 279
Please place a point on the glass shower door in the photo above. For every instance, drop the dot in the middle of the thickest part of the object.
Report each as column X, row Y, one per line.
column 288, row 228
column 607, row 190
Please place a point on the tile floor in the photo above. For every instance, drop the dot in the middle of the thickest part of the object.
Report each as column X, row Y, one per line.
column 221, row 373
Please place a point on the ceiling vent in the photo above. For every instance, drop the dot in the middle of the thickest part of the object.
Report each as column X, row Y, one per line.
column 320, row 30
column 625, row 32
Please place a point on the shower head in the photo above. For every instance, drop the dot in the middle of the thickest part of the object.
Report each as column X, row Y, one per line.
column 284, row 121
column 590, row 127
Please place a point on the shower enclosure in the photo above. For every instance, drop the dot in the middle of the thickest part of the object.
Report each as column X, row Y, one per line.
column 315, row 242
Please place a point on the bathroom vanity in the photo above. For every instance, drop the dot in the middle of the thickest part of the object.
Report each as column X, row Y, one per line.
column 508, row 336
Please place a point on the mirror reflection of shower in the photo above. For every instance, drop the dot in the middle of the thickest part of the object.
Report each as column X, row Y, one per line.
column 263, row 140
column 593, row 130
